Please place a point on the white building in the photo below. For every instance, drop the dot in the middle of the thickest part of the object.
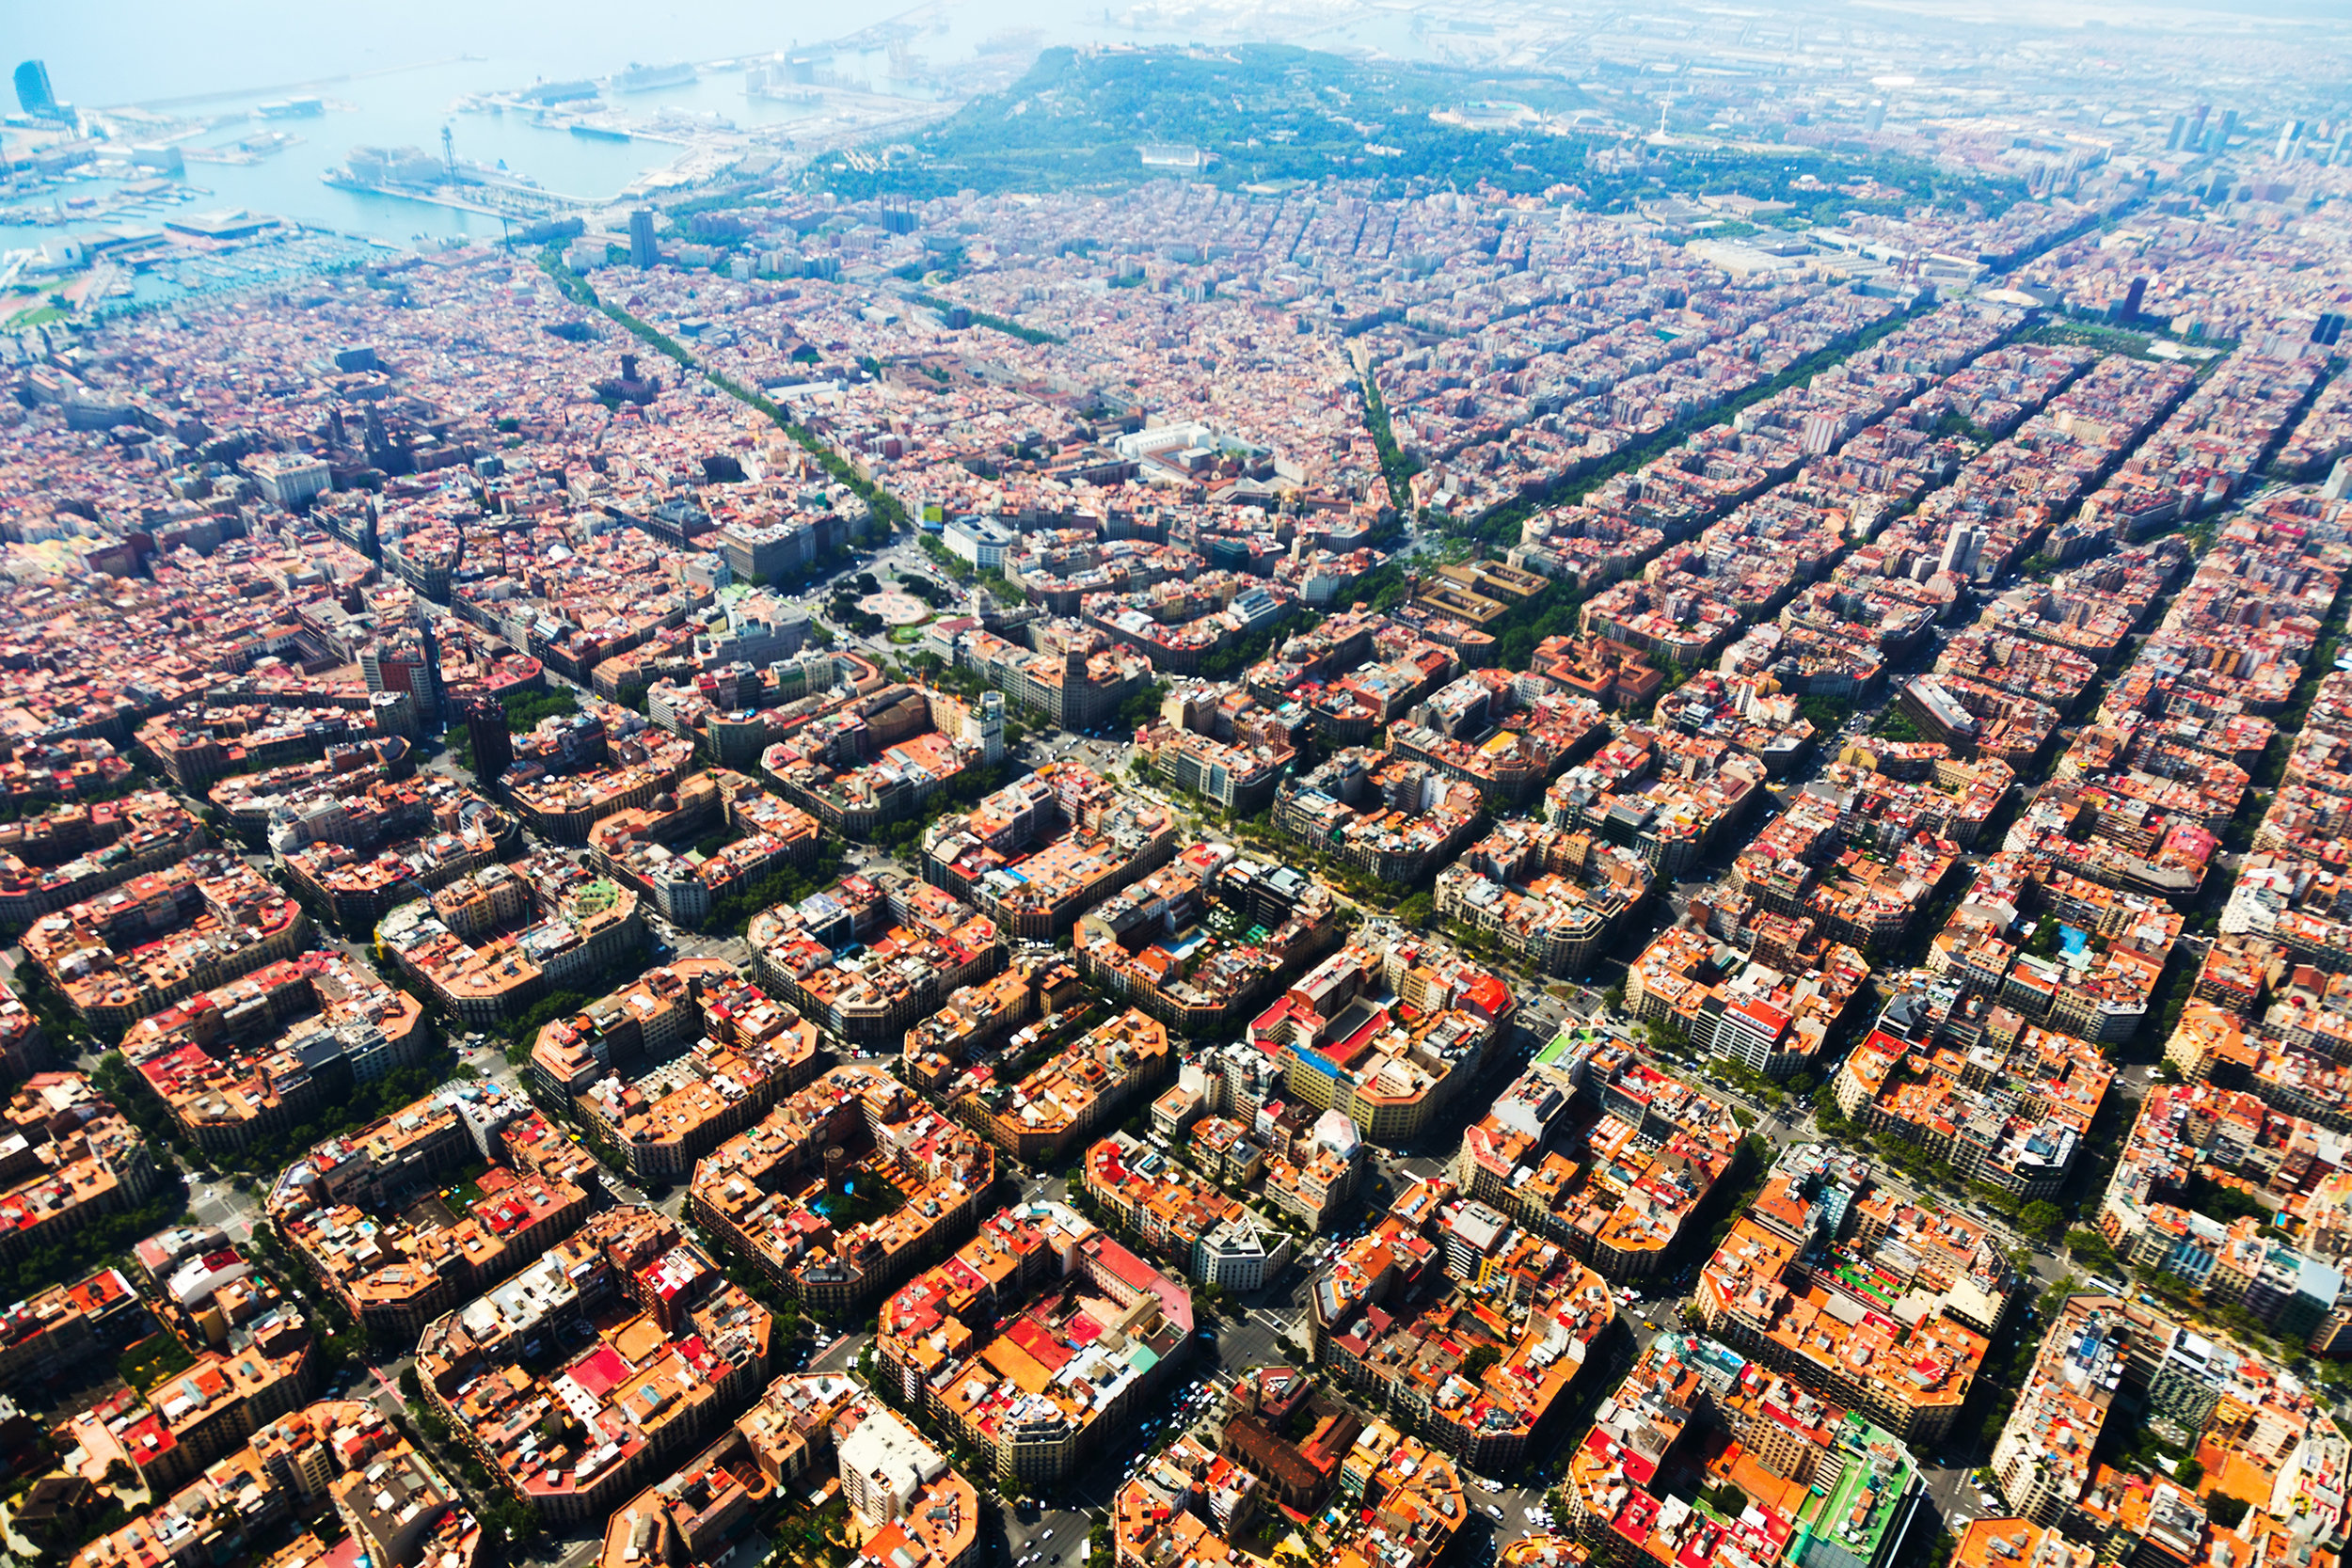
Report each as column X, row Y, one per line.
column 1240, row 1252
column 884, row 1468
column 979, row 541
column 292, row 478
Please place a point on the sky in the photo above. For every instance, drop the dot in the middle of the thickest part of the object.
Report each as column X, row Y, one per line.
column 109, row 51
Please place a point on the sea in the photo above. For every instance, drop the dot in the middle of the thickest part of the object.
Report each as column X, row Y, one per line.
column 391, row 75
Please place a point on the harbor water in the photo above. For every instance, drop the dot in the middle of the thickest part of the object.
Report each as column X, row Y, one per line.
column 395, row 77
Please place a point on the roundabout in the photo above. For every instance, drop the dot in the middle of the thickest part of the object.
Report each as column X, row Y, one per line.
column 894, row 608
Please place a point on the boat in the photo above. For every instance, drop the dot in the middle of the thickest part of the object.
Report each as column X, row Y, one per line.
column 598, row 133
column 644, row 78
column 557, row 92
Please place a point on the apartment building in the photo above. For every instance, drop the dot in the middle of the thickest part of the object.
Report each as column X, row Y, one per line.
column 1555, row 898
column 339, row 1454
column 1391, row 1319
column 265, row 1051
column 668, row 1119
column 1236, row 778
column 2011, row 1111
column 2189, row 1138
column 1395, row 819
column 1048, row 847
column 67, row 1324
column 1087, row 1084
column 1201, row 942
column 1815, row 1480
column 139, row 946
column 68, row 1158
column 1342, row 1043
column 1773, row 1011
column 1599, row 1153
column 73, row 852
column 1013, row 1296
column 1214, row 1238
column 490, row 943
column 2103, row 1357
column 1824, row 1329
column 880, row 756
column 344, row 1209
column 845, row 1188
column 871, row 957
column 682, row 1349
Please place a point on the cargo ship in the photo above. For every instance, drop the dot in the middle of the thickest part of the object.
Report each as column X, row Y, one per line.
column 645, row 78
column 411, row 173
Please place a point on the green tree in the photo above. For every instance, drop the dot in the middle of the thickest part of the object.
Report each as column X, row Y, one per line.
column 1142, row 707
column 2221, row 1201
column 2090, row 1249
column 1896, row 725
column 524, row 709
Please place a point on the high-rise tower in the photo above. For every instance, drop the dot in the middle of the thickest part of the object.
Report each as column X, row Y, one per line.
column 33, row 92
column 493, row 746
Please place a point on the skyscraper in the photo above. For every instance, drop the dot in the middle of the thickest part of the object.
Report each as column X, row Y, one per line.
column 493, row 746
column 399, row 661
column 641, row 254
column 33, row 92
column 431, row 641
column 1960, row 550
